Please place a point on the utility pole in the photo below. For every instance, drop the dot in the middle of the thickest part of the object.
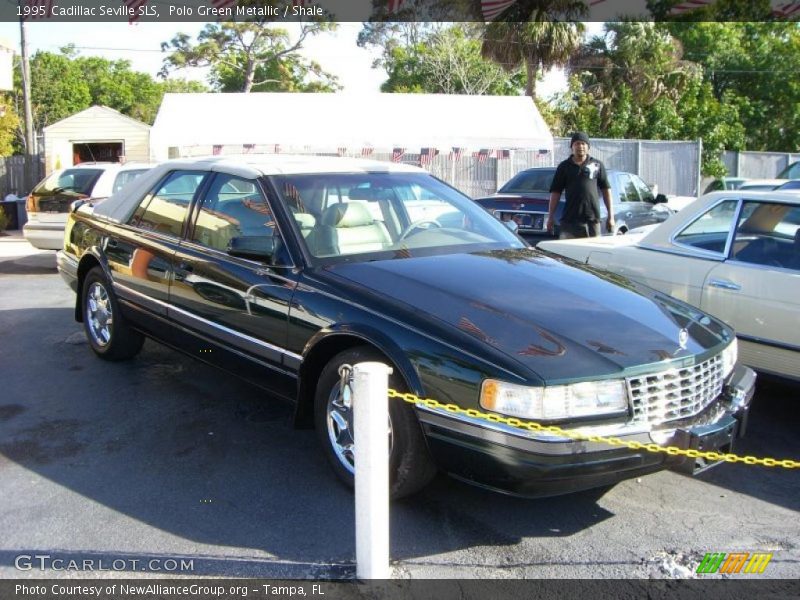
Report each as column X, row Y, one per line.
column 26, row 98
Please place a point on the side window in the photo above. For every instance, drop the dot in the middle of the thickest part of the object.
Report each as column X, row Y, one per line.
column 645, row 193
column 714, row 186
column 627, row 190
column 768, row 234
column 233, row 207
column 165, row 208
column 710, row 230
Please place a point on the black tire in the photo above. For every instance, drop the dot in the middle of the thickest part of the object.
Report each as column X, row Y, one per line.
column 109, row 336
column 410, row 465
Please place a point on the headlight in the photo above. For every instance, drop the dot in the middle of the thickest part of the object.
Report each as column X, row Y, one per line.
column 585, row 399
column 729, row 357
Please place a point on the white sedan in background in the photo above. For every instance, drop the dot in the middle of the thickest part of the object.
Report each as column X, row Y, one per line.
column 733, row 254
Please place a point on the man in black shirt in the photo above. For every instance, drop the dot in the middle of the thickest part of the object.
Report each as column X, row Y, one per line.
column 580, row 177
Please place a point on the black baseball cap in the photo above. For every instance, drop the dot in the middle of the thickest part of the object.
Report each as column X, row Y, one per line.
column 579, row 136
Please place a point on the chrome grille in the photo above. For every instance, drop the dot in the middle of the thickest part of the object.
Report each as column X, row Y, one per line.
column 676, row 393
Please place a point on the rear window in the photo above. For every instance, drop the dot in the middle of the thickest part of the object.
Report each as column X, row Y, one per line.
column 80, row 181
column 529, row 181
column 125, row 177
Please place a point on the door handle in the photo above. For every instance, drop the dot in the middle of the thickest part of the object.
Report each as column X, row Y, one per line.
column 724, row 284
column 629, row 214
column 182, row 270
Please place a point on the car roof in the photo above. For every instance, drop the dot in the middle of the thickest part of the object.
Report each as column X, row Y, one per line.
column 250, row 166
column 288, row 164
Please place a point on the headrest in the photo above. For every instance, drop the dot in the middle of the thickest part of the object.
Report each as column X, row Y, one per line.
column 305, row 220
column 347, row 214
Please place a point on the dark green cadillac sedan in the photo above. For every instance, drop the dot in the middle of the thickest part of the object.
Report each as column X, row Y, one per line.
column 288, row 267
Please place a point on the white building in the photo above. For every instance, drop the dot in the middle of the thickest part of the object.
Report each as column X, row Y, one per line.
column 352, row 124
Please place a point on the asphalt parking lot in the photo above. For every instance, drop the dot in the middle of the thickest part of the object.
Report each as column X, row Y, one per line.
column 162, row 458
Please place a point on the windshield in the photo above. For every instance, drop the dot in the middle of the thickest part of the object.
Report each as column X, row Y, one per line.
column 79, row 181
column 345, row 216
column 535, row 180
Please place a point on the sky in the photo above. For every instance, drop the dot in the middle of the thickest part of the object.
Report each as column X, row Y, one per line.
column 141, row 45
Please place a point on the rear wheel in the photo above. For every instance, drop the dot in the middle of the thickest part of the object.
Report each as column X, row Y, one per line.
column 410, row 466
column 110, row 337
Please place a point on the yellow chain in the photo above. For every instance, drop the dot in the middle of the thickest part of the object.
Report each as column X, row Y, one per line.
column 576, row 435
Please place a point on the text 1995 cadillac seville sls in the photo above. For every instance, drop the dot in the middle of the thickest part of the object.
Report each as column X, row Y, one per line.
column 289, row 267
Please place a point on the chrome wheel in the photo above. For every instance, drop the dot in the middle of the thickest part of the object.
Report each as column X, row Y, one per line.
column 99, row 316
column 340, row 425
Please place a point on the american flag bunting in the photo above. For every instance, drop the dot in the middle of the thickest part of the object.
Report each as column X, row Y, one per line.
column 216, row 149
column 397, row 154
column 426, row 155
column 492, row 9
column 135, row 5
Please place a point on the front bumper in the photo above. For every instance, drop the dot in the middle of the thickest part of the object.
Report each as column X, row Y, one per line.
column 526, row 464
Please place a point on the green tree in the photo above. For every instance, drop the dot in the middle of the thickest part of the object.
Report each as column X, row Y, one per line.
column 58, row 88
column 114, row 84
column 751, row 68
column 9, row 126
column 447, row 61
column 633, row 82
column 251, row 56
column 534, row 39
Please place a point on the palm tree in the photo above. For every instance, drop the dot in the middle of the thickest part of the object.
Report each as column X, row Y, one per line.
column 539, row 42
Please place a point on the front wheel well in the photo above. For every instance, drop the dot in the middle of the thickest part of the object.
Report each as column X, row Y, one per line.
column 319, row 356
column 88, row 262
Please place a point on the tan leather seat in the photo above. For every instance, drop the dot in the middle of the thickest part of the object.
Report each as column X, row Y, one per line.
column 348, row 228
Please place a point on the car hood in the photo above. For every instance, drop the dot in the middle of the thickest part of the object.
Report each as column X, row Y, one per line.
column 557, row 320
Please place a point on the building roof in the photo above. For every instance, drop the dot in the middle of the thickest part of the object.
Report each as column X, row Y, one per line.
column 95, row 111
column 350, row 120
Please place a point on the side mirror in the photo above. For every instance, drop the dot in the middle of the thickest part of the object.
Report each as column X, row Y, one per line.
column 254, row 247
column 660, row 199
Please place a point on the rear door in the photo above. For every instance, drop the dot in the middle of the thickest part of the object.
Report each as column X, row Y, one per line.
column 140, row 252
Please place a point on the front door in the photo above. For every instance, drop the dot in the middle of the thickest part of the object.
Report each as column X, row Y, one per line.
column 239, row 305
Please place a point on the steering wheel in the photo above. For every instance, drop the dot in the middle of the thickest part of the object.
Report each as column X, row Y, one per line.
column 418, row 225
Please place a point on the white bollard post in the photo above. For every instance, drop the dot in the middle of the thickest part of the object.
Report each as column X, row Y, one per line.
column 371, row 423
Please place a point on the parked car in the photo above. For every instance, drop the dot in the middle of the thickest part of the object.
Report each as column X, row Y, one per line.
column 733, row 254
column 47, row 205
column 792, row 171
column 525, row 198
column 724, row 183
column 792, row 184
column 285, row 269
column 761, row 185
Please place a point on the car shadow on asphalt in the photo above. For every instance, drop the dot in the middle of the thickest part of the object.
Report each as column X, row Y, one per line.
column 771, row 433
column 171, row 443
